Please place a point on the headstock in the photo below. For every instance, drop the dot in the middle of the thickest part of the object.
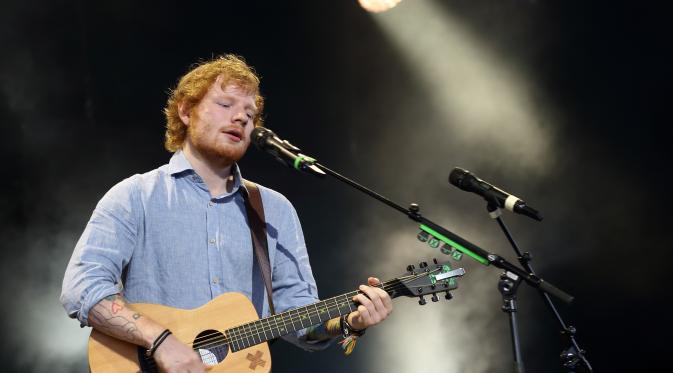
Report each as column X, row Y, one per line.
column 424, row 280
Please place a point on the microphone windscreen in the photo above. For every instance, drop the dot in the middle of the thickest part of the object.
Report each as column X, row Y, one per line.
column 259, row 135
column 457, row 177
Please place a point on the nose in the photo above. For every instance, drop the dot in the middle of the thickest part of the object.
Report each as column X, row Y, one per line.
column 240, row 116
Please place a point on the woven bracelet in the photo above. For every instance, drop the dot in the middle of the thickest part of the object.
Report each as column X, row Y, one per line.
column 150, row 352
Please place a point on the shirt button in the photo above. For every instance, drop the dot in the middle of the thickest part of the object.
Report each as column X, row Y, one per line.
column 216, row 280
column 210, row 204
column 212, row 241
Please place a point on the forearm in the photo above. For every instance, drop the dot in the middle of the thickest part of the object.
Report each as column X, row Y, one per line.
column 115, row 317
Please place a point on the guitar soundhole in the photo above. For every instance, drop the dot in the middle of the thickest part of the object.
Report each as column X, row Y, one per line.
column 209, row 344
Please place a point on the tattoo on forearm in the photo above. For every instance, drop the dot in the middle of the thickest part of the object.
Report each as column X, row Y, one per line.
column 103, row 318
column 116, row 307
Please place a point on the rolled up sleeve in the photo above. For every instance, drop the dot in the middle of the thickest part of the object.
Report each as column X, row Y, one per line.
column 104, row 249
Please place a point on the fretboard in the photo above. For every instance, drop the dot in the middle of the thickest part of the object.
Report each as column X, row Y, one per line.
column 287, row 322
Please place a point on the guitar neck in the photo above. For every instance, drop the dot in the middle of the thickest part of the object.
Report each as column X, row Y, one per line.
column 259, row 331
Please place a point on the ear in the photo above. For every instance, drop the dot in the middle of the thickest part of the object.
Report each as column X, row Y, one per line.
column 185, row 112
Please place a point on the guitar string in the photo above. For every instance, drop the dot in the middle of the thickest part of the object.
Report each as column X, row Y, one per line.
column 253, row 329
column 214, row 338
column 218, row 337
column 296, row 318
column 257, row 331
column 256, row 328
column 215, row 341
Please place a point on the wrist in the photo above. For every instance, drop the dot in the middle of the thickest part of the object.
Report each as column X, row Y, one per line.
column 348, row 329
column 353, row 324
column 157, row 342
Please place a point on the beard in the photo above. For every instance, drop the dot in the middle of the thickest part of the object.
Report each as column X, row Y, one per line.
column 215, row 149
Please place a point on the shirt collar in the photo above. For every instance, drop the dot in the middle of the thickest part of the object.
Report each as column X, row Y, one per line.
column 179, row 164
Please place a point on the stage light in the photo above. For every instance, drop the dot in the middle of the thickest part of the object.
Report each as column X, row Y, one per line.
column 377, row 6
column 485, row 102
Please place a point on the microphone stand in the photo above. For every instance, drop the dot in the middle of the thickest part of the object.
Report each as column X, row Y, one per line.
column 509, row 280
column 455, row 241
column 508, row 286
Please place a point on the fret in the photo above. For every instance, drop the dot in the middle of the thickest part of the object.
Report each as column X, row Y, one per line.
column 315, row 305
column 339, row 304
column 259, row 336
column 343, row 304
column 333, row 308
column 238, row 338
column 233, row 342
column 283, row 329
column 275, row 321
column 266, row 338
column 294, row 327
column 236, row 332
column 326, row 306
column 247, row 333
column 301, row 315
column 268, row 323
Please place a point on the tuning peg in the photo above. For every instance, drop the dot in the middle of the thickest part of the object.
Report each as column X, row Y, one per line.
column 446, row 249
column 434, row 298
column 411, row 268
column 423, row 264
column 434, row 260
column 422, row 236
column 448, row 296
column 433, row 242
column 422, row 301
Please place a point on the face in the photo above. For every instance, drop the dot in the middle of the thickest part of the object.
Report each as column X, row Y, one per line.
column 219, row 126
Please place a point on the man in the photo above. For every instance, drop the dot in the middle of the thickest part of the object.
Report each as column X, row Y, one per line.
column 178, row 235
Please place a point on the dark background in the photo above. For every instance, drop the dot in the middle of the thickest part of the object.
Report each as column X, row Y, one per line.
column 82, row 87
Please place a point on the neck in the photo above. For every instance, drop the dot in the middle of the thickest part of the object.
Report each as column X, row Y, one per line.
column 215, row 171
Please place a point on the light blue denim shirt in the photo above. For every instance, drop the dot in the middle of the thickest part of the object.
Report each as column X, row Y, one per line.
column 163, row 237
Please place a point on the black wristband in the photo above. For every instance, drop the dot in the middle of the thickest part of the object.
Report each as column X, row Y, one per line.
column 348, row 330
column 150, row 352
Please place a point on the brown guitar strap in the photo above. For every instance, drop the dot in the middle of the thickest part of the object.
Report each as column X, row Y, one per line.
column 255, row 211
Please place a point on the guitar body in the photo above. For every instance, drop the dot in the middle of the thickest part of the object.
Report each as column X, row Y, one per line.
column 108, row 354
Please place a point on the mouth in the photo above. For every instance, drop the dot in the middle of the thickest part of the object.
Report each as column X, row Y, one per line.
column 234, row 134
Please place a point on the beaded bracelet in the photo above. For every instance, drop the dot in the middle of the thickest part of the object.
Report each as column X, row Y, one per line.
column 150, row 352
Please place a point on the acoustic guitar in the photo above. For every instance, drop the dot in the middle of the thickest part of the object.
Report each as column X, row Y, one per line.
column 228, row 335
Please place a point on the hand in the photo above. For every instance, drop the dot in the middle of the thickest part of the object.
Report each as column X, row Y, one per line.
column 375, row 306
column 173, row 356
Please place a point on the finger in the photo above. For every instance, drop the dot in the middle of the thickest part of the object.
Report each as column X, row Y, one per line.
column 385, row 298
column 368, row 313
column 376, row 295
column 364, row 300
column 374, row 314
column 365, row 316
column 388, row 303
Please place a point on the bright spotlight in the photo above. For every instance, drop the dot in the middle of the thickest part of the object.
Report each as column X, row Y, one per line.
column 378, row 6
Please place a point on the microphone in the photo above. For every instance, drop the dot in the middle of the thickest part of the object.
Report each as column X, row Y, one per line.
column 288, row 154
column 468, row 182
